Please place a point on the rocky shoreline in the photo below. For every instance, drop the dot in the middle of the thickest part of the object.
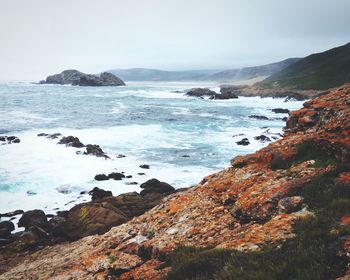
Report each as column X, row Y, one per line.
column 246, row 207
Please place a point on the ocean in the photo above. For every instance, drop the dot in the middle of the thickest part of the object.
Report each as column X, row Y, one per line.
column 181, row 138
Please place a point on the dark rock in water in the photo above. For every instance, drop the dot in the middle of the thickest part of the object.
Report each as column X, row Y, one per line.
column 226, row 95
column 71, row 141
column 11, row 214
column 243, row 142
column 5, row 228
column 116, row 176
column 200, row 92
column 131, row 183
column 121, row 156
column 141, row 174
column 280, row 111
column 262, row 138
column 185, row 156
column 155, row 186
column 258, row 117
column 128, row 176
column 9, row 139
column 97, row 193
column 42, row 134
column 33, row 218
column 235, row 135
column 101, row 177
column 50, row 136
column 30, row 192
column 75, row 77
column 95, row 150
column 144, row 166
column 285, row 119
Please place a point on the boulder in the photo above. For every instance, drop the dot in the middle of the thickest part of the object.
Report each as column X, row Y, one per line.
column 144, row 166
column 262, row 138
column 200, row 92
column 5, row 229
column 71, row 141
column 90, row 218
column 155, row 186
column 243, row 142
column 101, row 177
column 97, row 193
column 116, row 176
column 95, row 150
column 33, row 218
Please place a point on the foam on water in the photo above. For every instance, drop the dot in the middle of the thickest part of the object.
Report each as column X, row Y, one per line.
column 182, row 139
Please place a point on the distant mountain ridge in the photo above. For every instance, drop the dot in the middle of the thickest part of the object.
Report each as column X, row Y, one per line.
column 144, row 74
column 319, row 71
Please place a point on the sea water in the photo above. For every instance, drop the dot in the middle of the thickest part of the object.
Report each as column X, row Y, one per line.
column 183, row 139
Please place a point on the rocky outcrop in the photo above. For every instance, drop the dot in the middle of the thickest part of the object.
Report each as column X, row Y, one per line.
column 254, row 203
column 9, row 140
column 205, row 92
column 257, row 90
column 77, row 78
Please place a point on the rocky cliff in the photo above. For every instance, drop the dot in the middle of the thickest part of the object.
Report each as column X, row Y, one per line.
column 264, row 200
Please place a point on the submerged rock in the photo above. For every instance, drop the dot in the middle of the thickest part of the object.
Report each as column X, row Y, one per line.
column 258, row 117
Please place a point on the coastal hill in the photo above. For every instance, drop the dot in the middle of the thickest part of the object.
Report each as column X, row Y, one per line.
column 144, row 74
column 280, row 213
column 77, row 78
column 318, row 71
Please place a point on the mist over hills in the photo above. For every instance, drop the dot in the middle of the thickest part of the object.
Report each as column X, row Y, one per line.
column 145, row 74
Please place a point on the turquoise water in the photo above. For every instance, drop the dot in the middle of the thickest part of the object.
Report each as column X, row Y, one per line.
column 181, row 138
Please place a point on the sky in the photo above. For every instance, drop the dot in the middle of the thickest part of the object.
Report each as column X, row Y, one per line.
column 42, row 37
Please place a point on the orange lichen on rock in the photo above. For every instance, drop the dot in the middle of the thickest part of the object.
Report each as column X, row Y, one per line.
column 245, row 207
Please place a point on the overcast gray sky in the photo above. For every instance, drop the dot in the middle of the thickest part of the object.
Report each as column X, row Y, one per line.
column 41, row 37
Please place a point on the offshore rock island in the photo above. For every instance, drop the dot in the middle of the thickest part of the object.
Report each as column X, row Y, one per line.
column 280, row 212
column 77, row 78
